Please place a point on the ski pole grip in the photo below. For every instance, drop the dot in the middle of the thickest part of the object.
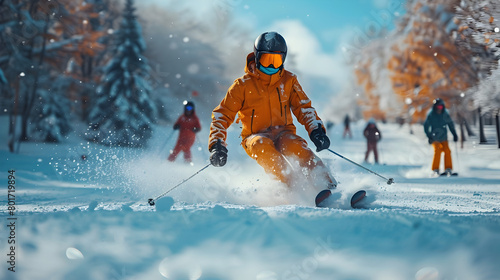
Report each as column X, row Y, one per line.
column 151, row 202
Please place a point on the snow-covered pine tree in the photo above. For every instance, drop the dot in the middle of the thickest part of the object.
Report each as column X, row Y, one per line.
column 123, row 111
column 20, row 53
column 7, row 22
column 51, row 116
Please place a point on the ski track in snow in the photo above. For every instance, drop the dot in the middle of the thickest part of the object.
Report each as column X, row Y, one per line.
column 88, row 219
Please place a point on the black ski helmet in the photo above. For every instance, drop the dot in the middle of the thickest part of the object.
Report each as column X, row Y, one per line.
column 438, row 101
column 269, row 42
column 188, row 105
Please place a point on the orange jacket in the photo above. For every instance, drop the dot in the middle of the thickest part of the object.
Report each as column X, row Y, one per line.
column 262, row 102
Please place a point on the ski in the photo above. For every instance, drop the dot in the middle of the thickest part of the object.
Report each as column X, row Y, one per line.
column 447, row 174
column 356, row 198
column 321, row 198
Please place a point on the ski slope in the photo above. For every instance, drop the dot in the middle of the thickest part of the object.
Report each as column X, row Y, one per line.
column 88, row 218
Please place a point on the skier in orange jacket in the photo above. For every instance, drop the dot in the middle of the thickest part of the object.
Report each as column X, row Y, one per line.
column 188, row 124
column 264, row 99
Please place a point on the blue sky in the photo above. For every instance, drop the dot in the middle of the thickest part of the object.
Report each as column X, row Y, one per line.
column 332, row 22
column 329, row 21
column 316, row 31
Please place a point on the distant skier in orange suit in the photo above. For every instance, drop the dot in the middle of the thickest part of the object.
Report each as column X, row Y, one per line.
column 188, row 125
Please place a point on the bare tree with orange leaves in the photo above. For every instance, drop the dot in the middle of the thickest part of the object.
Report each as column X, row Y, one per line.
column 370, row 101
column 428, row 63
column 80, row 59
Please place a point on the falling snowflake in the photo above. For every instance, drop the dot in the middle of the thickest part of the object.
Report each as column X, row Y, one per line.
column 193, row 68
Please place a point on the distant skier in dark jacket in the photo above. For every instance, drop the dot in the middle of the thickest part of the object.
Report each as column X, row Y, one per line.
column 188, row 124
column 437, row 133
column 347, row 126
column 372, row 135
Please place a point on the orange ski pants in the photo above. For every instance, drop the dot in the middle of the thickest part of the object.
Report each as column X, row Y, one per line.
column 441, row 147
column 272, row 150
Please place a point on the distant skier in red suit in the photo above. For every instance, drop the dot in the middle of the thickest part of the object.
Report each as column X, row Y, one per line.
column 188, row 125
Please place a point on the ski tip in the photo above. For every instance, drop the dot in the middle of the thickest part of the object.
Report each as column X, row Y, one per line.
column 322, row 195
column 151, row 202
column 357, row 197
column 445, row 174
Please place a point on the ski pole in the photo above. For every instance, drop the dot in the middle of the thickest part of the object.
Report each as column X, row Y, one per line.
column 389, row 181
column 166, row 141
column 456, row 155
column 151, row 201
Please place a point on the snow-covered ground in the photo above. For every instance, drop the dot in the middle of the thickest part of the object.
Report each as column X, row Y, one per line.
column 88, row 219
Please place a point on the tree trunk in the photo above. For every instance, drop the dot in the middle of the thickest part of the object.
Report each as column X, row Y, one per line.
column 13, row 121
column 30, row 98
column 24, row 121
column 497, row 117
column 470, row 132
column 482, row 137
column 12, row 131
column 88, row 81
column 462, row 134
column 462, row 122
column 474, row 120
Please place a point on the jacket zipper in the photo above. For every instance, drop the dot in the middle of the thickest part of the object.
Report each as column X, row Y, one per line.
column 279, row 97
column 251, row 122
column 285, row 116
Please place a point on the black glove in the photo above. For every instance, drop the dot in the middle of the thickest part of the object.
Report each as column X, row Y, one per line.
column 195, row 129
column 176, row 126
column 455, row 138
column 218, row 155
column 319, row 138
column 431, row 140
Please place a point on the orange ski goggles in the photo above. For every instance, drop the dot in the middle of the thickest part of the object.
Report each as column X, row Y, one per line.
column 268, row 59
